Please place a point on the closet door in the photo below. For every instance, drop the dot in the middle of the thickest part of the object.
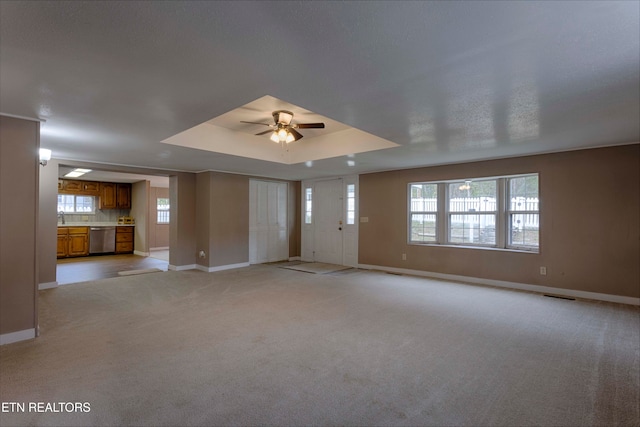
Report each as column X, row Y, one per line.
column 268, row 240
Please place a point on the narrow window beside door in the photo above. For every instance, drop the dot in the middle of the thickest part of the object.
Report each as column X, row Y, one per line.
column 162, row 206
column 351, row 204
column 308, row 196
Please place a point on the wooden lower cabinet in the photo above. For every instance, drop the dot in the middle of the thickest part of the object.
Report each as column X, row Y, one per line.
column 63, row 238
column 73, row 242
column 124, row 240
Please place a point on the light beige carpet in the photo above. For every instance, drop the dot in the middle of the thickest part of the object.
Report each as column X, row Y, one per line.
column 316, row 267
column 141, row 271
column 268, row 346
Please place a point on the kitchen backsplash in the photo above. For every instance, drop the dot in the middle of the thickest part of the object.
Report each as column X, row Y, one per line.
column 107, row 215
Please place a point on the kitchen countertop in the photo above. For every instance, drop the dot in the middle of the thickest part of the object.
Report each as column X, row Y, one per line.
column 93, row 224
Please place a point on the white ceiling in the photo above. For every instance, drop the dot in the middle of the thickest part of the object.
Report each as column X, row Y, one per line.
column 227, row 134
column 447, row 81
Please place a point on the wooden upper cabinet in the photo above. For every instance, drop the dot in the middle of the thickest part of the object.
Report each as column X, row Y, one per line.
column 115, row 196
column 107, row 195
column 123, row 198
column 74, row 186
column 71, row 186
column 91, row 188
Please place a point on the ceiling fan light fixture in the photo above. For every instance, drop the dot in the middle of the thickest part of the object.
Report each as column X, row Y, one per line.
column 283, row 131
column 282, row 134
column 282, row 116
column 290, row 138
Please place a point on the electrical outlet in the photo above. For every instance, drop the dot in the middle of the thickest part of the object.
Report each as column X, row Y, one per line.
column 543, row 271
column 85, row 217
column 364, row 219
column 202, row 254
column 404, row 257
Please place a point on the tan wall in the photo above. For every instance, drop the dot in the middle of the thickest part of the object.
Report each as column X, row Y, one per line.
column 222, row 218
column 158, row 233
column 48, row 223
column 230, row 219
column 182, row 230
column 590, row 215
column 139, row 211
column 203, row 217
column 19, row 180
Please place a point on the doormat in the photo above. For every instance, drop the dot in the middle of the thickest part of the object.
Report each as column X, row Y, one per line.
column 134, row 272
column 316, row 267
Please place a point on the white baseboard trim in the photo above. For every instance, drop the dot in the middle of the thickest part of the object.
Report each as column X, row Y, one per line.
column 182, row 267
column 140, row 253
column 294, row 258
column 47, row 285
column 222, row 267
column 161, row 248
column 12, row 337
column 510, row 285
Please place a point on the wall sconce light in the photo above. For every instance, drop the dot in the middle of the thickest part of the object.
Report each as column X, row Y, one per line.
column 45, row 156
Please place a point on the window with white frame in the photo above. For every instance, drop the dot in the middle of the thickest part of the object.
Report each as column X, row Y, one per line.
column 351, row 204
column 69, row 203
column 423, row 216
column 162, row 209
column 498, row 212
column 523, row 214
column 472, row 212
column 308, row 200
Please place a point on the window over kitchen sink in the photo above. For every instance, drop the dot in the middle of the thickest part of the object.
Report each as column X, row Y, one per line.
column 69, row 203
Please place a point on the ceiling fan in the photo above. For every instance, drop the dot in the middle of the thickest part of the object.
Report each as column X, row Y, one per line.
column 283, row 131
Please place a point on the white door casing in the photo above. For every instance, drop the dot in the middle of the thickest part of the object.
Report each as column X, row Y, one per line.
column 329, row 238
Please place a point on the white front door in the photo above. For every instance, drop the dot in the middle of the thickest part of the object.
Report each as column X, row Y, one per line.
column 268, row 241
column 328, row 230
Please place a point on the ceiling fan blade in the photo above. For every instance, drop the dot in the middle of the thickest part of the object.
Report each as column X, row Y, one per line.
column 297, row 135
column 309, row 125
column 255, row 123
column 266, row 131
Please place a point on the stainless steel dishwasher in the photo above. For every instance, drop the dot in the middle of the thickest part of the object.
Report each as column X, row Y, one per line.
column 102, row 240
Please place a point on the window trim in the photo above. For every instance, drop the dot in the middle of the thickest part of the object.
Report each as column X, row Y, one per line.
column 502, row 215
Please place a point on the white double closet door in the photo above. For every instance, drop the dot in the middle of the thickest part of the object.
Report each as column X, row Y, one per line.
column 268, row 239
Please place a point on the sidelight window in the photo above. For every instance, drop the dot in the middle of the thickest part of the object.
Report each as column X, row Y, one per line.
column 308, row 200
column 162, row 209
column 351, row 204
